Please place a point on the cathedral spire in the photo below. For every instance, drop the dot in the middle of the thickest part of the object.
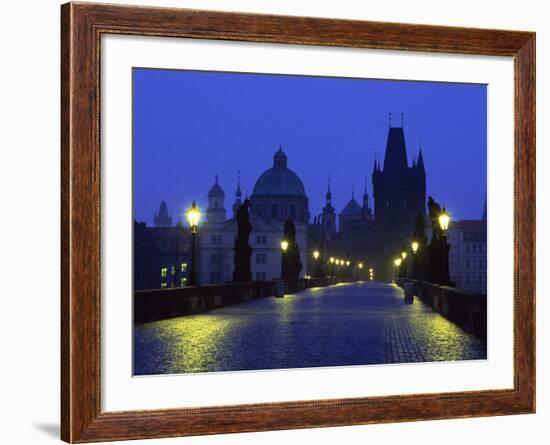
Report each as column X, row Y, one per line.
column 420, row 162
column 328, row 195
column 239, row 193
column 366, row 209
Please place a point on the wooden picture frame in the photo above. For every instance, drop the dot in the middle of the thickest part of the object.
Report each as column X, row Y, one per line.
column 82, row 25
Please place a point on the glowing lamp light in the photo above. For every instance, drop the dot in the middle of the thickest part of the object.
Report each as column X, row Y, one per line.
column 193, row 216
column 403, row 255
column 360, row 265
column 414, row 246
column 331, row 259
column 371, row 270
column 316, row 254
column 284, row 245
column 397, row 262
column 347, row 263
column 444, row 220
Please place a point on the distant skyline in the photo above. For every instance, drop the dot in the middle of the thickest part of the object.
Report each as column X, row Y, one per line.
column 191, row 125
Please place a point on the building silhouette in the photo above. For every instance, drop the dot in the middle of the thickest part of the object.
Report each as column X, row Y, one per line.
column 468, row 254
column 375, row 237
column 278, row 194
column 161, row 253
column 359, row 232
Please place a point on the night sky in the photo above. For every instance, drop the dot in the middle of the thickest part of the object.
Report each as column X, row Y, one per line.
column 190, row 126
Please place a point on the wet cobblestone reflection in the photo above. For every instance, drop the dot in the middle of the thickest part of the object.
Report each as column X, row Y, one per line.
column 346, row 324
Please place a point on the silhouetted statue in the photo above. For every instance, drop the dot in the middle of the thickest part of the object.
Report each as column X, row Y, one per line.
column 438, row 248
column 434, row 210
column 291, row 265
column 420, row 258
column 243, row 251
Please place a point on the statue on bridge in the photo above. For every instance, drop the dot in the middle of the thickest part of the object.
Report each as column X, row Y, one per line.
column 434, row 209
column 438, row 249
column 291, row 266
column 243, row 251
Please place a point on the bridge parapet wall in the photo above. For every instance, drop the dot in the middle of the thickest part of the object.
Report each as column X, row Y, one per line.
column 161, row 304
column 467, row 310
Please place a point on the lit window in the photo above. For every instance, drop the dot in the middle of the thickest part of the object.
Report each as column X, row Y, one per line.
column 183, row 281
column 184, row 267
column 162, row 285
column 173, row 270
column 163, row 272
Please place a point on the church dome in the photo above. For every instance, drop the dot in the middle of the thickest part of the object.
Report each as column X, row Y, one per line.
column 216, row 190
column 279, row 180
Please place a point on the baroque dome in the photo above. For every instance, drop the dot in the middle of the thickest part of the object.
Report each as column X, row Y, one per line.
column 216, row 190
column 279, row 180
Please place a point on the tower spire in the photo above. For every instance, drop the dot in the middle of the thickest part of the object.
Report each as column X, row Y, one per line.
column 328, row 195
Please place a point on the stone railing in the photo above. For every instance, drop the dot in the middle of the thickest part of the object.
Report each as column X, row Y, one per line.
column 467, row 310
column 160, row 304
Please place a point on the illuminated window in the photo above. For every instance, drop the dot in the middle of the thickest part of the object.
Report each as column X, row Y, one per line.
column 183, row 282
column 162, row 285
column 173, row 270
column 163, row 272
column 184, row 267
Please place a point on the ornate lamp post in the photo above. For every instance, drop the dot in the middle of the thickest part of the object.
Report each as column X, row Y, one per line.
column 414, row 266
column 444, row 219
column 193, row 217
column 284, row 247
column 316, row 256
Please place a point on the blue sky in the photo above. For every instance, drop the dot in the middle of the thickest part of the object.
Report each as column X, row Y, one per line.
column 190, row 126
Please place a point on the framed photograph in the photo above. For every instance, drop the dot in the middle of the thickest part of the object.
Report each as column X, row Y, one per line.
column 274, row 222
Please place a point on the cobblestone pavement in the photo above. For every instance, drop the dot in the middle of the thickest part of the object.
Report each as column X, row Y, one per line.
column 345, row 324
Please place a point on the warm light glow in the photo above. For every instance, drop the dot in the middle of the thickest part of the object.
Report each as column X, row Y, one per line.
column 331, row 260
column 360, row 265
column 403, row 255
column 397, row 262
column 316, row 254
column 414, row 246
column 284, row 245
column 347, row 263
column 444, row 220
column 193, row 216
column 371, row 270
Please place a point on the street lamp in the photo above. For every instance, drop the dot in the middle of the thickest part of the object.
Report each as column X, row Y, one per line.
column 444, row 220
column 284, row 245
column 193, row 217
column 360, row 265
column 403, row 255
column 397, row 262
column 414, row 246
column 347, row 263
column 316, row 254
